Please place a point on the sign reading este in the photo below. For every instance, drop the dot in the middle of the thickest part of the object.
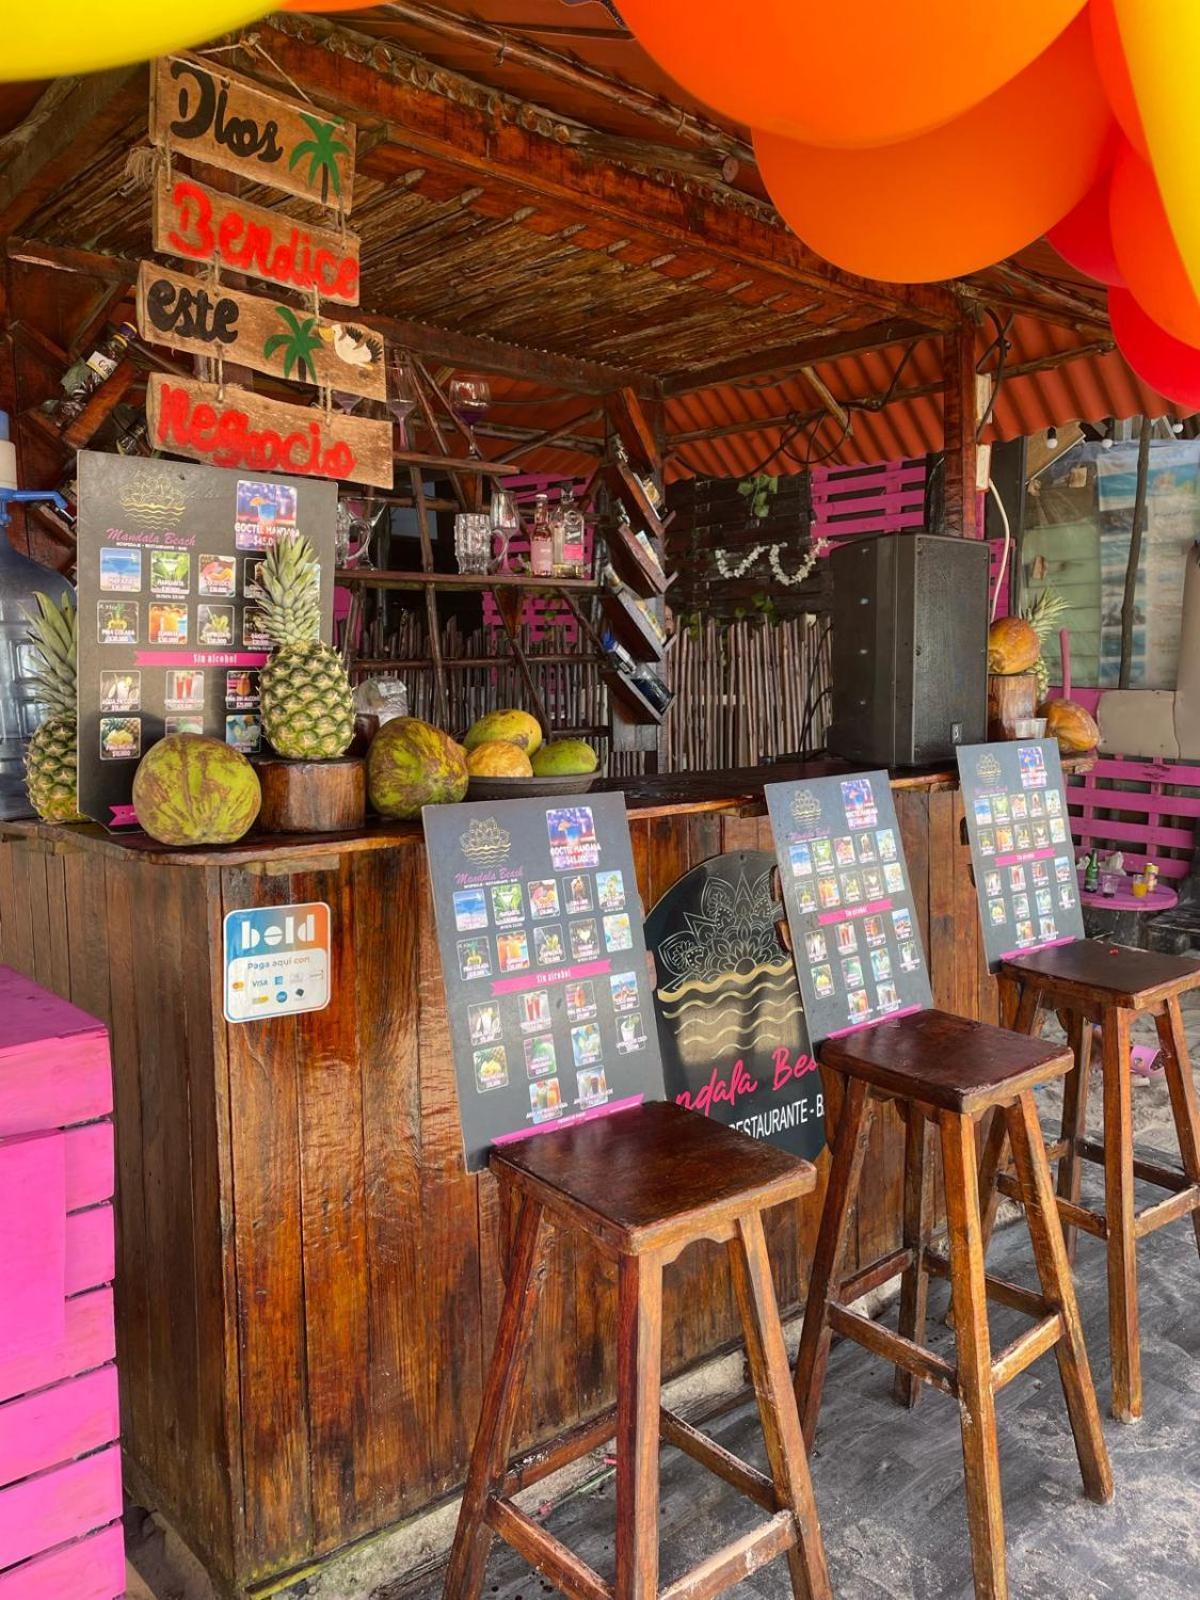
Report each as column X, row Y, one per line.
column 1021, row 850
column 170, row 634
column 222, row 119
column 281, row 340
column 848, row 897
column 254, row 434
column 730, row 1018
column 549, row 999
column 200, row 224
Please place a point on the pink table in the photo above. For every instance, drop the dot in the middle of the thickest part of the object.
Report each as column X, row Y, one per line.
column 1161, row 899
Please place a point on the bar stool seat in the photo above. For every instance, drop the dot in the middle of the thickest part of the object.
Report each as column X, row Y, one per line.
column 942, row 1072
column 1092, row 981
column 643, row 1184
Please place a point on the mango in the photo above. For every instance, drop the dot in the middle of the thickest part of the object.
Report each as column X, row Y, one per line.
column 564, row 758
column 495, row 758
column 510, row 726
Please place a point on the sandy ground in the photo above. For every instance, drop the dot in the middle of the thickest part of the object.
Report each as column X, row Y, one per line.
column 888, row 1482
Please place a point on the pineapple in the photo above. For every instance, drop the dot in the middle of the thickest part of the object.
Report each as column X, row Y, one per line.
column 307, row 702
column 1042, row 614
column 50, row 758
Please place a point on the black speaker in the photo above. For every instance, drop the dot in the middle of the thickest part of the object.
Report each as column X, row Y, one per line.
column 910, row 624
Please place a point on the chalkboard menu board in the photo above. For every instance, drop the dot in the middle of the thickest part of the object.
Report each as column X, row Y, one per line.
column 170, row 634
column 540, row 931
column 731, row 1020
column 1016, row 804
column 849, row 902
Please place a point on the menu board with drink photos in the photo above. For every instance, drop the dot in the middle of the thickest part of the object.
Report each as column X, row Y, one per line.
column 170, row 633
column 550, row 1001
column 1015, row 800
column 849, row 902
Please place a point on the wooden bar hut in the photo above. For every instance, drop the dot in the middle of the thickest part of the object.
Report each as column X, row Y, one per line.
column 307, row 1279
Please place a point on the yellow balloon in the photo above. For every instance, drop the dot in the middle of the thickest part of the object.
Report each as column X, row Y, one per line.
column 1162, row 47
column 65, row 36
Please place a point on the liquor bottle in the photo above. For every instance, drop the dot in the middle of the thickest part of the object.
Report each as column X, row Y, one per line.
column 649, row 683
column 1091, row 872
column 81, row 379
column 568, row 529
column 541, row 540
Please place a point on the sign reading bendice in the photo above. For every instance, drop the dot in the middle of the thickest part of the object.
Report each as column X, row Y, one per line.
column 199, row 224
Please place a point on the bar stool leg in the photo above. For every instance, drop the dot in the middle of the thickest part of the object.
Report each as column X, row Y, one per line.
column 1054, row 1272
column 918, row 1230
column 1123, row 1335
column 1182, row 1088
column 1074, row 1120
column 976, row 1400
column 501, row 1397
column 767, row 1355
column 854, row 1127
column 639, row 1384
column 995, row 1148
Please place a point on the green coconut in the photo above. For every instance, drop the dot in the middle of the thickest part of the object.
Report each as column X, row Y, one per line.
column 413, row 764
column 190, row 789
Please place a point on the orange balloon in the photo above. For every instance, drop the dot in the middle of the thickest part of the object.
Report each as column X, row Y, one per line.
column 960, row 198
column 328, row 5
column 1158, row 358
column 1114, row 73
column 1146, row 252
column 844, row 75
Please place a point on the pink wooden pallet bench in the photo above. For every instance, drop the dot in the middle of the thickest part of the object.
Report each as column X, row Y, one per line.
column 1146, row 823
column 60, row 1467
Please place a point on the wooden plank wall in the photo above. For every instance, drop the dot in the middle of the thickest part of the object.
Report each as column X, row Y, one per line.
column 308, row 1281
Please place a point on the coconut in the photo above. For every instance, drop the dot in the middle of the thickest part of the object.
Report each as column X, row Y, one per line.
column 413, row 764
column 1013, row 646
column 190, row 789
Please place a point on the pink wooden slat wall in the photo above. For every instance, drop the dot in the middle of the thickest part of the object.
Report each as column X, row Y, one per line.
column 57, row 1506
column 89, row 1341
column 91, row 1569
column 40, row 1430
column 33, row 1209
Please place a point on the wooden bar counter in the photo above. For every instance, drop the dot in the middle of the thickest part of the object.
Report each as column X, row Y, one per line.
column 307, row 1279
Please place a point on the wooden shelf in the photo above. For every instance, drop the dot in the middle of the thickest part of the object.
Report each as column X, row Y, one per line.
column 629, row 625
column 623, row 482
column 491, row 469
column 631, row 699
column 631, row 563
column 464, row 582
column 633, row 428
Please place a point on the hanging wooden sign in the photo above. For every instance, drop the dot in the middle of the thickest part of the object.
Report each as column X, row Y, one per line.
column 249, row 431
column 203, row 111
column 199, row 224
column 255, row 331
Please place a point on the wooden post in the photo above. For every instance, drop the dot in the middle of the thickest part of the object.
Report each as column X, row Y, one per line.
column 960, row 497
column 1129, row 601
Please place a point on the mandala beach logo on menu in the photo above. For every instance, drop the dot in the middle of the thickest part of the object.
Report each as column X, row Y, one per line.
column 486, row 843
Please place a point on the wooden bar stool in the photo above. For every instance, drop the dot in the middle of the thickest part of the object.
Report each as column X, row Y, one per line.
column 1091, row 981
column 643, row 1184
column 943, row 1072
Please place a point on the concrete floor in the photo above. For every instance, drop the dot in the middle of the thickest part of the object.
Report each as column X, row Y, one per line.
column 889, row 1482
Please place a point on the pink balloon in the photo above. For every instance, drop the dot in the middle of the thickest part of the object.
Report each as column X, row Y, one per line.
column 1084, row 237
column 1159, row 359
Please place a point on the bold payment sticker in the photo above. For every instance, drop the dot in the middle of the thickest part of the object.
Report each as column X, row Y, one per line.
column 276, row 961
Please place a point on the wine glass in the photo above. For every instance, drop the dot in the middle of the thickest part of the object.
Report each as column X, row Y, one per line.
column 470, row 396
column 402, row 392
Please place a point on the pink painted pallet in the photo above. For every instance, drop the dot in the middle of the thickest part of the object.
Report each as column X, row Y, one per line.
column 853, row 502
column 60, row 1471
column 1141, row 817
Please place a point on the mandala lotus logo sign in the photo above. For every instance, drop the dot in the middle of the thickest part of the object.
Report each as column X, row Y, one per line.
column 806, row 807
column 988, row 767
column 486, row 843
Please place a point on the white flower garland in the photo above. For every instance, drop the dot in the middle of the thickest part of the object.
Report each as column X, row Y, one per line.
column 786, row 581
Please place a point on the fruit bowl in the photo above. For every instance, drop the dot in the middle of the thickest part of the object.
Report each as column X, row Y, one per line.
column 529, row 788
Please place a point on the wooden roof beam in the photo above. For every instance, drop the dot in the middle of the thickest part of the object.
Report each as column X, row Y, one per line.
column 73, row 118
column 478, row 135
column 570, row 373
column 787, row 359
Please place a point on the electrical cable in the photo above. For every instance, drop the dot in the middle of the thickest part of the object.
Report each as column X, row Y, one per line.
column 995, row 493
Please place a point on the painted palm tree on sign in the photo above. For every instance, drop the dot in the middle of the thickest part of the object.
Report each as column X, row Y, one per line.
column 296, row 345
column 322, row 151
